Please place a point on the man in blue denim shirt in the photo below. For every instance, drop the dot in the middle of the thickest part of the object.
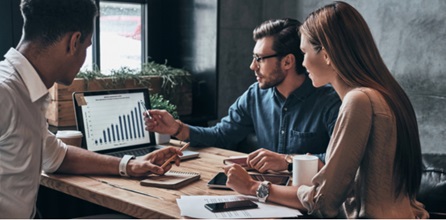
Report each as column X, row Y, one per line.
column 287, row 114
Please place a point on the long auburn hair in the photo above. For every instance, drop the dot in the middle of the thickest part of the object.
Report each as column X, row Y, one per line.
column 343, row 32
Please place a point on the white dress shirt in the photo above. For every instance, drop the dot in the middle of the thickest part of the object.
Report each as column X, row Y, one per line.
column 26, row 145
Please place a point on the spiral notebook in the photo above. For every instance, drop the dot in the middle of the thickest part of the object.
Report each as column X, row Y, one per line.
column 171, row 179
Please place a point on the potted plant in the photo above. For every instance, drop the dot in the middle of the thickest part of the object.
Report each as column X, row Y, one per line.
column 173, row 83
column 157, row 101
column 172, row 78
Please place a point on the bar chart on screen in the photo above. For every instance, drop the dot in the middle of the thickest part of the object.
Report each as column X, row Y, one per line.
column 114, row 120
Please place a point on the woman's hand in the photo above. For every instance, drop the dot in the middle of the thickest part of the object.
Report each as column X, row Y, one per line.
column 239, row 180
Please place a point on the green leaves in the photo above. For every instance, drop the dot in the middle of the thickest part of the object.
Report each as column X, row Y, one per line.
column 171, row 77
column 158, row 102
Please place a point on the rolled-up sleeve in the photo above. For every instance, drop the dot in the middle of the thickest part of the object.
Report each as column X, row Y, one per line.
column 54, row 151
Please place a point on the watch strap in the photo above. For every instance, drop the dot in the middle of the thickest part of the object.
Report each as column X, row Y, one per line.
column 123, row 164
column 289, row 160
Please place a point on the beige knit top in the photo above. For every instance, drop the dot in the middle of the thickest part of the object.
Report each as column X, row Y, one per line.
column 356, row 181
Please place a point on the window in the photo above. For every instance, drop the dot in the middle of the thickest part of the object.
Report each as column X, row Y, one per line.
column 120, row 37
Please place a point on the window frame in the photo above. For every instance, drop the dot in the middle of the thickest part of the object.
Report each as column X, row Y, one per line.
column 96, row 44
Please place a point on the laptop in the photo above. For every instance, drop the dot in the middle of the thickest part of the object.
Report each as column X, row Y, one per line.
column 112, row 122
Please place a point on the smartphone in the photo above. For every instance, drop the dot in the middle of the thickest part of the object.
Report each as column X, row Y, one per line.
column 231, row 206
column 219, row 180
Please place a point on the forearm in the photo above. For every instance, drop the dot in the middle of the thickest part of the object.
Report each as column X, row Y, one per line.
column 226, row 137
column 81, row 161
column 285, row 195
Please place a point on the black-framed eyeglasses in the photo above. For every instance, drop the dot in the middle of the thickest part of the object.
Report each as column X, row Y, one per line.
column 258, row 58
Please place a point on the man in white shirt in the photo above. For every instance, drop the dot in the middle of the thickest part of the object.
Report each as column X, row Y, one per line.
column 53, row 46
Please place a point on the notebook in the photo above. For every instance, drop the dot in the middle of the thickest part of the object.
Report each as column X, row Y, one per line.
column 112, row 122
column 171, row 179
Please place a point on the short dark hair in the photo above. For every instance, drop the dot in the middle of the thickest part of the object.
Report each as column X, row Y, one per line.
column 286, row 38
column 46, row 21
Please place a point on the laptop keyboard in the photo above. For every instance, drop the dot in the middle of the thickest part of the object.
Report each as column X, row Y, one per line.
column 136, row 152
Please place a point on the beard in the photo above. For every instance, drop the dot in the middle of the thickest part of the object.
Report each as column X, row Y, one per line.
column 274, row 79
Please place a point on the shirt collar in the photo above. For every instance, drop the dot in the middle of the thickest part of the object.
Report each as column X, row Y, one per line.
column 31, row 79
column 305, row 89
column 302, row 92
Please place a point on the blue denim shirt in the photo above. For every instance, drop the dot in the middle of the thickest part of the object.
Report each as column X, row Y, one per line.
column 300, row 124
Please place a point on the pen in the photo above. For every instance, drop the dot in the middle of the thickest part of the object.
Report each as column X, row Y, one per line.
column 174, row 156
column 145, row 109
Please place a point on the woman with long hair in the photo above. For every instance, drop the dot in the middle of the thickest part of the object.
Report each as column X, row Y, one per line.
column 373, row 162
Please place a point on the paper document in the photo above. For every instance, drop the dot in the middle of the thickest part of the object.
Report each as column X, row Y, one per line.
column 193, row 207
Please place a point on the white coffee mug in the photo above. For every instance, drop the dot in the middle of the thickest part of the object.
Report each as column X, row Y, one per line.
column 304, row 169
column 70, row 137
column 162, row 138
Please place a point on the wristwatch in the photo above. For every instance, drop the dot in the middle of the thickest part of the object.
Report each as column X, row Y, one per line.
column 123, row 164
column 263, row 191
column 289, row 160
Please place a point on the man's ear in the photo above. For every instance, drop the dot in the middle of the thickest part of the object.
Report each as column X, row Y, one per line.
column 288, row 61
column 74, row 42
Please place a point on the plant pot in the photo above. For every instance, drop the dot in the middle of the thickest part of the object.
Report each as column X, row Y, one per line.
column 162, row 138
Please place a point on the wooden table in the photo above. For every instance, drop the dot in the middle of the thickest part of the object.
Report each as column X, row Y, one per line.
column 127, row 196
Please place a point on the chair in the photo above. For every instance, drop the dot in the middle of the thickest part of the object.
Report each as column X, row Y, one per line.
column 432, row 191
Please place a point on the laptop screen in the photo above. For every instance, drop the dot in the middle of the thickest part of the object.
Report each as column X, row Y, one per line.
column 113, row 120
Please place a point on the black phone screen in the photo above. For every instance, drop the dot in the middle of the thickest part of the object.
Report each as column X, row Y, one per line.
column 231, row 206
column 219, row 180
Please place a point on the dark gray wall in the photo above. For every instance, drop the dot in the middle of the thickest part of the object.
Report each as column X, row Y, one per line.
column 177, row 33
column 10, row 25
column 237, row 19
column 410, row 34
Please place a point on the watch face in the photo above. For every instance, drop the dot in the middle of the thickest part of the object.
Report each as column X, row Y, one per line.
column 263, row 191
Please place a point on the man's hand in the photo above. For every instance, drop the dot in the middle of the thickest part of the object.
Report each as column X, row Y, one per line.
column 161, row 122
column 263, row 160
column 239, row 180
column 151, row 163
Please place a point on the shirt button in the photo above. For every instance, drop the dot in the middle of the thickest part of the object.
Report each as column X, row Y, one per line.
column 283, row 132
column 285, row 109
